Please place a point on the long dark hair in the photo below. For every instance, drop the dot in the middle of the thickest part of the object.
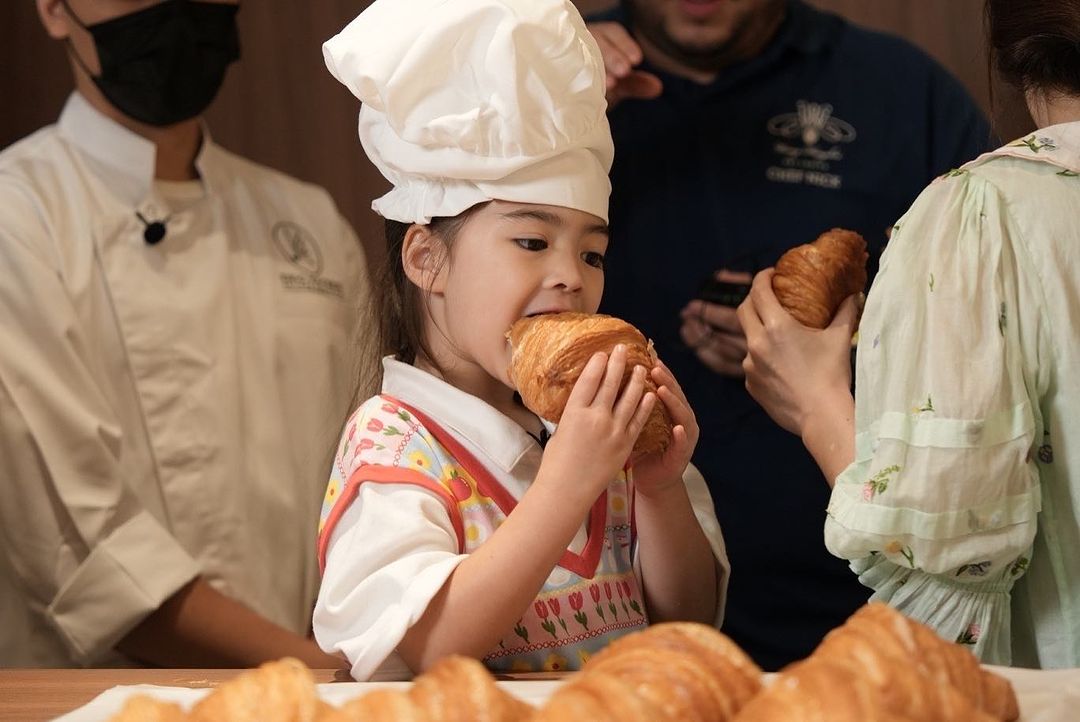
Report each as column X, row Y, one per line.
column 1035, row 44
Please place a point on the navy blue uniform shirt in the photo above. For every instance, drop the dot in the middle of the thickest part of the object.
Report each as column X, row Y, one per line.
column 830, row 126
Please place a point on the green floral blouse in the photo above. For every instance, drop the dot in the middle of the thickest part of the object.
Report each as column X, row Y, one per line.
column 962, row 508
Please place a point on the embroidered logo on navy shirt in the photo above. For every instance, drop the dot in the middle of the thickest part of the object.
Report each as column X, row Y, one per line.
column 808, row 144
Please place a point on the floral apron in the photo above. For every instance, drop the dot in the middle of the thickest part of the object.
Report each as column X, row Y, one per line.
column 588, row 599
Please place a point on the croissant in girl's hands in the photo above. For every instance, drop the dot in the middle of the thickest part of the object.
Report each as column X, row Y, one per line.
column 550, row 351
column 812, row 280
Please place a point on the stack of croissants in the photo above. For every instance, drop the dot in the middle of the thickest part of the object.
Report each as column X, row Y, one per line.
column 879, row 666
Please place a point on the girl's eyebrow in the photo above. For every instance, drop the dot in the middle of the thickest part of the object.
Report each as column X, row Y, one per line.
column 551, row 219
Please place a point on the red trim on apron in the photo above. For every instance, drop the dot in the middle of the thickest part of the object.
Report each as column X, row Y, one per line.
column 583, row 564
column 379, row 474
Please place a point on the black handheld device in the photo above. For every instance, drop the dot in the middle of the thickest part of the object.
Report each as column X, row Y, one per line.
column 723, row 293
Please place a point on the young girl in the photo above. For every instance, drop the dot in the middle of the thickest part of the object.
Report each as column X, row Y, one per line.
column 448, row 526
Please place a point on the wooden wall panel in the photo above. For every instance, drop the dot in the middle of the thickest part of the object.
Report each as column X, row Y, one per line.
column 279, row 105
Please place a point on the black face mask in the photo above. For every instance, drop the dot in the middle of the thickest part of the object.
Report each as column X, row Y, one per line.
column 164, row 64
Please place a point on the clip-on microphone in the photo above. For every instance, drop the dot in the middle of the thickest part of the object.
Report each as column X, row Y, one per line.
column 153, row 231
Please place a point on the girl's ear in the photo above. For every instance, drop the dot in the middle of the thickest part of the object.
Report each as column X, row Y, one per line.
column 423, row 255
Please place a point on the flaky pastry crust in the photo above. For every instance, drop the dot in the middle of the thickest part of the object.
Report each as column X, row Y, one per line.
column 551, row 350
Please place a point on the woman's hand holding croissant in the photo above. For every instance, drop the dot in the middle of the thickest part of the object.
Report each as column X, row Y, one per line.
column 802, row 376
column 598, row 427
column 791, row 370
column 657, row 472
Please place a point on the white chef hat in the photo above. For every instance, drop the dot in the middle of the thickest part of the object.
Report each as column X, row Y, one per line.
column 466, row 101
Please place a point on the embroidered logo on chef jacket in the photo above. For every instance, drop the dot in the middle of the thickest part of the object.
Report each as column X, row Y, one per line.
column 809, row 141
column 297, row 246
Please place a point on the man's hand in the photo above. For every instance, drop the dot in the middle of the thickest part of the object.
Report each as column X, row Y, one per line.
column 621, row 55
column 199, row 626
column 714, row 331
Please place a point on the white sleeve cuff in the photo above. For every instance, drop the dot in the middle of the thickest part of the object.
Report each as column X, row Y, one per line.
column 125, row 577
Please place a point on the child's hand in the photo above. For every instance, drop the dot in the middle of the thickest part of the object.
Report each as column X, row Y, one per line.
column 655, row 473
column 598, row 427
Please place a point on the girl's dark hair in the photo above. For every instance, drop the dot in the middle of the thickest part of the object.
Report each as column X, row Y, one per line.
column 1035, row 44
column 392, row 318
column 398, row 305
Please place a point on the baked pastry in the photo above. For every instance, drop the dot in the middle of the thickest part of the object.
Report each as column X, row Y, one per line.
column 834, row 689
column 280, row 691
column 142, row 708
column 551, row 350
column 885, row 632
column 880, row 665
column 670, row 671
column 812, row 280
column 455, row 688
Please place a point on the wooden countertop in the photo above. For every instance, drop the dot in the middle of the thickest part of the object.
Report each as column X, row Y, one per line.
column 36, row 695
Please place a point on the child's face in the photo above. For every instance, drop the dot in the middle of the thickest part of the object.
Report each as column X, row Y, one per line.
column 512, row 260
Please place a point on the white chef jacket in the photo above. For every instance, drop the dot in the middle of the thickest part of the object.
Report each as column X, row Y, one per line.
column 166, row 410
column 395, row 546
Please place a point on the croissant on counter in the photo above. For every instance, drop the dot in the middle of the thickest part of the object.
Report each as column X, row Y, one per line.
column 884, row 631
column 833, row 689
column 677, row 671
column 812, row 280
column 551, row 350
column 455, row 688
column 279, row 691
column 880, row 665
column 142, row 708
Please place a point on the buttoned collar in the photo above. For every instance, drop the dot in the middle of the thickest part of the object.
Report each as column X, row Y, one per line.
column 489, row 431
column 123, row 156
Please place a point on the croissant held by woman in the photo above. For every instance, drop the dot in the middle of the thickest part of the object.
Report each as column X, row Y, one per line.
column 812, row 280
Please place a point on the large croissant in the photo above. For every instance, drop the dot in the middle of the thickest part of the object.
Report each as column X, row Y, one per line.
column 884, row 631
column 280, row 691
column 880, row 665
column 812, row 280
column 681, row 672
column 835, row 689
column 551, row 350
column 453, row 690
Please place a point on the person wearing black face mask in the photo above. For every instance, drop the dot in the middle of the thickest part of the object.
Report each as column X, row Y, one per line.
column 163, row 64
column 170, row 317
